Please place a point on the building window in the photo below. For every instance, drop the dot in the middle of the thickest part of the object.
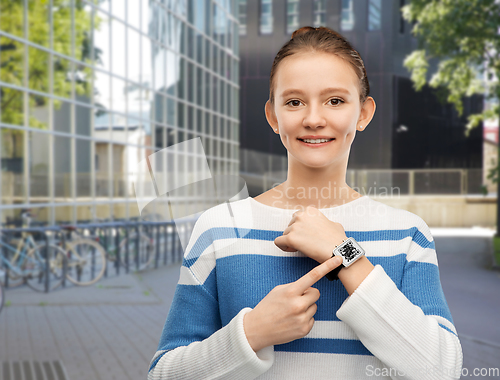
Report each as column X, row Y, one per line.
column 292, row 16
column 374, row 14
column 401, row 18
column 243, row 17
column 319, row 13
column 266, row 16
column 347, row 21
column 79, row 116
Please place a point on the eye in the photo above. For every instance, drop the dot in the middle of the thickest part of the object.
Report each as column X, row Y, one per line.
column 294, row 103
column 337, row 100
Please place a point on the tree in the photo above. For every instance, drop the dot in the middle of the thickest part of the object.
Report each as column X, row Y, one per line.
column 13, row 54
column 464, row 37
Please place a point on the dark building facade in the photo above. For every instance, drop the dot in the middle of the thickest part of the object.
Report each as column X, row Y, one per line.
column 409, row 130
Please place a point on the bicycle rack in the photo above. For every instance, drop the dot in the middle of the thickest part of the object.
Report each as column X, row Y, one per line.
column 164, row 234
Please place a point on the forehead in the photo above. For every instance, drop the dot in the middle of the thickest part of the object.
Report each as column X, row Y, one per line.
column 313, row 72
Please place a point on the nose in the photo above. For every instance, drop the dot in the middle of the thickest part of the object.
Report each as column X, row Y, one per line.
column 314, row 117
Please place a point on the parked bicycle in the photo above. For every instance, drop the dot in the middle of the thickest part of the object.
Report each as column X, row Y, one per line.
column 39, row 265
column 135, row 252
column 86, row 258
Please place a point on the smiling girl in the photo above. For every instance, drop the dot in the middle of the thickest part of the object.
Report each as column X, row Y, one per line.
column 293, row 284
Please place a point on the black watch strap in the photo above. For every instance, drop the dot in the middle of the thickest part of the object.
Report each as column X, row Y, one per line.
column 334, row 274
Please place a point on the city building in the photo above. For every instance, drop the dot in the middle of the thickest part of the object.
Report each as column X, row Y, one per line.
column 88, row 89
column 410, row 129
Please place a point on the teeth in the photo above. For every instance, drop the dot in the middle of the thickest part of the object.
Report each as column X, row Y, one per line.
column 317, row 141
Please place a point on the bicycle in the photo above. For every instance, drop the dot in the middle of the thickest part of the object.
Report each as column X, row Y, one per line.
column 29, row 261
column 139, row 245
column 86, row 258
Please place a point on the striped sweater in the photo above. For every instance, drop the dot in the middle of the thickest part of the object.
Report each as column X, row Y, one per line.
column 396, row 324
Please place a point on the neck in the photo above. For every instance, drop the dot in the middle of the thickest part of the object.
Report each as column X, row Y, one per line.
column 319, row 187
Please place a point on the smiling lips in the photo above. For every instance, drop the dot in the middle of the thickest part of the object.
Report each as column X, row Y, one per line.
column 316, row 141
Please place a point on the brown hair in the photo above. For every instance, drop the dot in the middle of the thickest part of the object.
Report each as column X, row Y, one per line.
column 325, row 40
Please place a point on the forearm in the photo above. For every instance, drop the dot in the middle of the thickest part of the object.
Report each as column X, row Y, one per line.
column 224, row 355
column 355, row 274
column 399, row 333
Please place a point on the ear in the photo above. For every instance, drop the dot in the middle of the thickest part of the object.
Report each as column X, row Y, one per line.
column 271, row 116
column 366, row 115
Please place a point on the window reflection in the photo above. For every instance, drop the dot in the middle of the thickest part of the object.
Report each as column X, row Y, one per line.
column 319, row 13
column 133, row 75
column 347, row 21
column 266, row 16
column 13, row 161
column 292, row 15
column 374, row 14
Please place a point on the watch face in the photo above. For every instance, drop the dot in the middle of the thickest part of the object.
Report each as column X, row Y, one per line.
column 350, row 251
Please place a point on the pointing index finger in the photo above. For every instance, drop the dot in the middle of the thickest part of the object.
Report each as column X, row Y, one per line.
column 316, row 274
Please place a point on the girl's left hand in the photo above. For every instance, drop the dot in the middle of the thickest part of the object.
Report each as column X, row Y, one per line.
column 311, row 233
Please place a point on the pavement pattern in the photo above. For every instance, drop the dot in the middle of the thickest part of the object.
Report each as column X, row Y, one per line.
column 111, row 330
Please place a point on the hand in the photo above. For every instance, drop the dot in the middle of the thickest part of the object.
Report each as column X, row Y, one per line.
column 286, row 312
column 311, row 233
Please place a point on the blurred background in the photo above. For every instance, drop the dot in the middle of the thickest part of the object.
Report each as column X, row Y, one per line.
column 89, row 88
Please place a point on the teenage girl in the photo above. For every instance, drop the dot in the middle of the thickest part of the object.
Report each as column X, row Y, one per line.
column 260, row 295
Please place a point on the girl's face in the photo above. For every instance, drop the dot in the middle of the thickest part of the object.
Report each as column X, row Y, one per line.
column 317, row 97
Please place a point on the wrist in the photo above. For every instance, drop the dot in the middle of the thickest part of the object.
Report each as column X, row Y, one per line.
column 352, row 276
column 253, row 338
column 326, row 253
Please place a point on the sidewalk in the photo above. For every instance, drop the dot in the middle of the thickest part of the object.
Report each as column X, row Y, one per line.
column 105, row 331
column 111, row 330
column 472, row 290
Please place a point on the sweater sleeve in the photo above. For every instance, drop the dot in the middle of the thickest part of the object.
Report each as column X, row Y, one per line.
column 409, row 328
column 194, row 344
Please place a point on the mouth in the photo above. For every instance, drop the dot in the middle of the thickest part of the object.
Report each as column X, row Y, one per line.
column 316, row 142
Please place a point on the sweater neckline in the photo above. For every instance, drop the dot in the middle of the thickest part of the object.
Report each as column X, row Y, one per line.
column 288, row 210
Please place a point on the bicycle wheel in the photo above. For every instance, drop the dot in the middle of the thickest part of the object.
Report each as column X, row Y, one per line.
column 86, row 261
column 14, row 279
column 139, row 257
column 35, row 267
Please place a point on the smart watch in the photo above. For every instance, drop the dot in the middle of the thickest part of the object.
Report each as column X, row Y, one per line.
column 350, row 251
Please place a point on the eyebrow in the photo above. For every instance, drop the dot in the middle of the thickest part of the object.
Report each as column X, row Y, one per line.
column 325, row 91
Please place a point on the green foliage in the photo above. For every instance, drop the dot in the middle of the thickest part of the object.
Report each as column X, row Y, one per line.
column 463, row 36
column 16, row 59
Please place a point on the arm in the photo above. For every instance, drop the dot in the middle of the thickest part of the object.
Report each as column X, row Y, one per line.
column 194, row 344
column 409, row 329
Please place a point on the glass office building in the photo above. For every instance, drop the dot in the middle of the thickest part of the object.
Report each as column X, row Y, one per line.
column 88, row 89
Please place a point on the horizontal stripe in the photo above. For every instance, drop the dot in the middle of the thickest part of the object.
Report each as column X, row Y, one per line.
column 221, row 233
column 422, row 287
column 418, row 281
column 331, row 330
column 306, row 366
column 331, row 346
column 372, row 248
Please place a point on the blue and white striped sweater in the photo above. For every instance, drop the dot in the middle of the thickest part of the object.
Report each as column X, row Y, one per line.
column 397, row 318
